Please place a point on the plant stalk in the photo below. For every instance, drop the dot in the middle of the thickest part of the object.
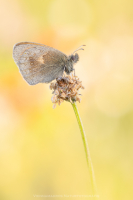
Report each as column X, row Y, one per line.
column 87, row 152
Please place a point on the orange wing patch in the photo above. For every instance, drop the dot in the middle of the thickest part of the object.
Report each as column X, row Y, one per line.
column 41, row 58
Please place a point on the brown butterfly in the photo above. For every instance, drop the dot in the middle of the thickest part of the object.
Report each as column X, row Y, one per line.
column 39, row 63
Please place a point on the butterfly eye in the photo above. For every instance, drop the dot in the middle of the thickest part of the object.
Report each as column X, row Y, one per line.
column 73, row 57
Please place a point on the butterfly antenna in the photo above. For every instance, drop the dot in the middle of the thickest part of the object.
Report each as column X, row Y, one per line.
column 79, row 48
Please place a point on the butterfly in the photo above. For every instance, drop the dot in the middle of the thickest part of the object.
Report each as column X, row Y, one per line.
column 39, row 63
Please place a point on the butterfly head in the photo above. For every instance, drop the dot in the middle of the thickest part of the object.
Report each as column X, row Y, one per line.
column 74, row 58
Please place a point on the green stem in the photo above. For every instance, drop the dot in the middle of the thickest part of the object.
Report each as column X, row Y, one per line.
column 87, row 152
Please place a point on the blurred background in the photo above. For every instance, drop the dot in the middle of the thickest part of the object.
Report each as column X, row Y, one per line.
column 41, row 150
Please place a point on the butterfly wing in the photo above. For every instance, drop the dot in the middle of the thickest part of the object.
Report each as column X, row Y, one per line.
column 38, row 63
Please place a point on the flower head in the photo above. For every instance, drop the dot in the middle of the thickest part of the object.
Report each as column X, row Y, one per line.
column 66, row 88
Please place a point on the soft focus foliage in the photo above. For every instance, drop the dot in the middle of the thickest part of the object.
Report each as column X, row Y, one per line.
column 41, row 150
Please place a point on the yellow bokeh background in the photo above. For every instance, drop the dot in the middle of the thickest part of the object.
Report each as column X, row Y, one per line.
column 41, row 149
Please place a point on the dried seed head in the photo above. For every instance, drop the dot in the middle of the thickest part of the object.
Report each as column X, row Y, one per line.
column 66, row 88
column 54, row 105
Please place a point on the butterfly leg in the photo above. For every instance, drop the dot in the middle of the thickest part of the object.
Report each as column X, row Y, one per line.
column 74, row 71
